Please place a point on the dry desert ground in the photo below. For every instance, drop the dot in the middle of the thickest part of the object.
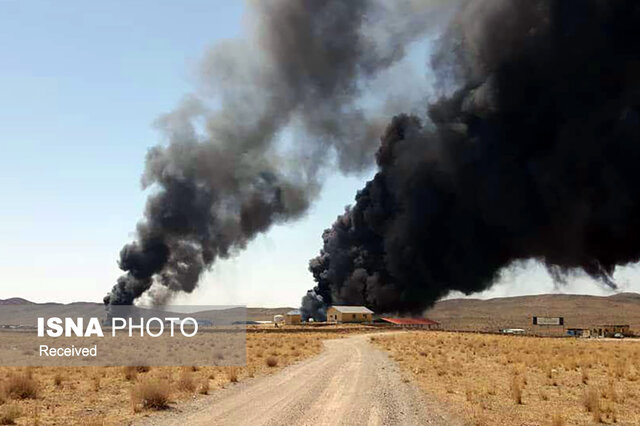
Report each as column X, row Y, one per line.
column 518, row 380
column 118, row 395
column 484, row 379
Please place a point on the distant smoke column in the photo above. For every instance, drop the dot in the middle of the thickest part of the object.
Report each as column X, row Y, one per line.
column 225, row 175
column 533, row 156
column 313, row 306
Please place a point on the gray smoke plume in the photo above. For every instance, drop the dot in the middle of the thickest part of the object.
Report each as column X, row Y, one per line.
column 532, row 152
column 226, row 174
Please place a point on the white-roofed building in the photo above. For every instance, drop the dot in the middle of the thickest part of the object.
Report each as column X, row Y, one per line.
column 293, row 317
column 338, row 313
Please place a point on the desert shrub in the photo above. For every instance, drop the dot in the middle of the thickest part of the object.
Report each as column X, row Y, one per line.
column 203, row 389
column 9, row 414
column 516, row 389
column 610, row 392
column 592, row 403
column 21, row 386
column 591, row 399
column 95, row 383
column 232, row 374
column 620, row 369
column 585, row 374
column 185, row 382
column 151, row 394
column 272, row 361
column 550, row 371
column 142, row 368
column 57, row 380
column 130, row 373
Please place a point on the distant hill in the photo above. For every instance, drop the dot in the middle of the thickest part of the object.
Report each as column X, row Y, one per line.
column 14, row 314
column 265, row 314
column 15, row 301
column 580, row 311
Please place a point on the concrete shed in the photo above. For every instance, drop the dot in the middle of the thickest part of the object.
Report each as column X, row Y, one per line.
column 293, row 317
column 349, row 314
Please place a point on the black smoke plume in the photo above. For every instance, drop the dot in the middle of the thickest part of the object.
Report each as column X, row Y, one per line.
column 226, row 173
column 531, row 152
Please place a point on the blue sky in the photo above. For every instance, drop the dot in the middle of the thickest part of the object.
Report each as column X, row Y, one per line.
column 80, row 86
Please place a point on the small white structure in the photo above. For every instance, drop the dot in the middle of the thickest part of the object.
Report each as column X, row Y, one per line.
column 278, row 319
column 513, row 331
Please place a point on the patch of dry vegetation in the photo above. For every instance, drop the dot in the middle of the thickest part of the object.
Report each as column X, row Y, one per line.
column 186, row 382
column 151, row 394
column 94, row 395
column 524, row 380
column 21, row 385
column 272, row 361
column 9, row 414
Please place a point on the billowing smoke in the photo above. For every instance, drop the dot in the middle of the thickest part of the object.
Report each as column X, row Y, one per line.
column 531, row 152
column 227, row 172
column 313, row 306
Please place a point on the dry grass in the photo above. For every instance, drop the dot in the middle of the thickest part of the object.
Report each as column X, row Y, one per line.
column 150, row 394
column 203, row 388
column 9, row 414
column 524, row 380
column 93, row 395
column 130, row 373
column 21, row 386
column 557, row 420
column 232, row 374
column 516, row 389
column 186, row 383
column 592, row 403
column 95, row 383
column 57, row 379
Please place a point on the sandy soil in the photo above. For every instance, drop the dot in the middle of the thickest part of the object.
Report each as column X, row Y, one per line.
column 521, row 380
column 350, row 382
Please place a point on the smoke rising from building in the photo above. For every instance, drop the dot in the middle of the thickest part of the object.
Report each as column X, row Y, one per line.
column 532, row 152
column 225, row 174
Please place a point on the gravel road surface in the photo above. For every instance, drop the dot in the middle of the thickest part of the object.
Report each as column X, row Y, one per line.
column 350, row 383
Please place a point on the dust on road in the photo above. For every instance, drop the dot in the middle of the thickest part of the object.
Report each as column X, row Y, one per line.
column 351, row 382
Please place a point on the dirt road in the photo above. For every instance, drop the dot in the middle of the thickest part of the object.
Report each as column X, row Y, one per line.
column 350, row 383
